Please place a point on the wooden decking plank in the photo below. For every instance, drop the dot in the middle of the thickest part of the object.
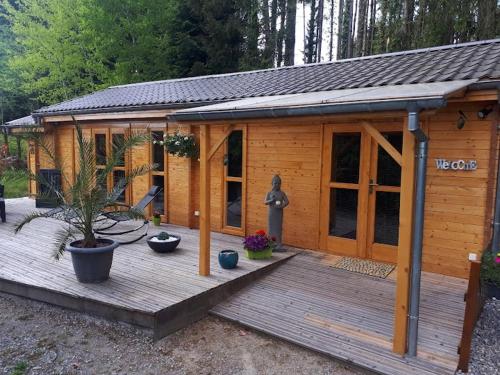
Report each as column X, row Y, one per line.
column 143, row 284
column 307, row 302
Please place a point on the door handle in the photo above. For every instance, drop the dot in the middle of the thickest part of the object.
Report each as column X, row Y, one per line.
column 371, row 185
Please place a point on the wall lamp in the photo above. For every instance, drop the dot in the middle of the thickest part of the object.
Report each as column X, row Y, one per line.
column 461, row 120
column 483, row 113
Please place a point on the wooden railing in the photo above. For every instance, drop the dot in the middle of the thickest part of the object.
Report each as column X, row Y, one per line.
column 473, row 306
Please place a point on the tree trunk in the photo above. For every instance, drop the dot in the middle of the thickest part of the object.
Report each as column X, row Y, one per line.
column 332, row 12
column 340, row 26
column 361, row 32
column 349, row 11
column 266, row 31
column 274, row 16
column 311, row 34
column 304, row 31
column 353, row 29
column 486, row 23
column 371, row 37
column 407, row 30
column 281, row 32
column 319, row 23
column 291, row 16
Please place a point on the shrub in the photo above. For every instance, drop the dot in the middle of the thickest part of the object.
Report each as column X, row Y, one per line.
column 490, row 268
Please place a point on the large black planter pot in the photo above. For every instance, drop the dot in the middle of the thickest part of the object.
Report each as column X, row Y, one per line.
column 164, row 247
column 92, row 265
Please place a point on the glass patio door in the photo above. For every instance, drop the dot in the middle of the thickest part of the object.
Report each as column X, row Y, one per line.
column 360, row 194
column 384, row 192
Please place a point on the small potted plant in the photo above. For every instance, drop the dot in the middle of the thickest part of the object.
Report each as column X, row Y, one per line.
column 83, row 202
column 156, row 218
column 164, row 242
column 259, row 245
column 490, row 274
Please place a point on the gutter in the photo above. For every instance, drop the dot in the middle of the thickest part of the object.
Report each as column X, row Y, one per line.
column 312, row 110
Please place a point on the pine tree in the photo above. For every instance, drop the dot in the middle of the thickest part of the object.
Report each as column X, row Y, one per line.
column 310, row 51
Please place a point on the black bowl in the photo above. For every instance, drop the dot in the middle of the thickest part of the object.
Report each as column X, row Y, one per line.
column 163, row 247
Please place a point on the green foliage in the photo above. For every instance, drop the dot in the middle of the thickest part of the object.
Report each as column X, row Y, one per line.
column 15, row 183
column 58, row 54
column 87, row 197
column 20, row 368
column 163, row 236
column 182, row 145
column 12, row 100
column 134, row 38
column 490, row 270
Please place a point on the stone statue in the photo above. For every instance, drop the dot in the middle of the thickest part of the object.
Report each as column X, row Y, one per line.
column 276, row 200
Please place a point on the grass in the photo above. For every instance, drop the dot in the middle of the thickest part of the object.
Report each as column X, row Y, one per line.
column 15, row 183
column 20, row 368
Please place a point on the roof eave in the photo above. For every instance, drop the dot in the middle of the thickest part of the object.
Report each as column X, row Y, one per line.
column 311, row 110
column 135, row 108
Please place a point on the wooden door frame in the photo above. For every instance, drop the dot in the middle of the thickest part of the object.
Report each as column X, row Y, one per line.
column 108, row 132
column 225, row 179
column 378, row 251
column 369, row 139
column 164, row 129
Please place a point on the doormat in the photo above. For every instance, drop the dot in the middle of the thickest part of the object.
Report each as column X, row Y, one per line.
column 364, row 266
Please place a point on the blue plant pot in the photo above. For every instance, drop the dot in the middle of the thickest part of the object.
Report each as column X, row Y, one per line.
column 228, row 259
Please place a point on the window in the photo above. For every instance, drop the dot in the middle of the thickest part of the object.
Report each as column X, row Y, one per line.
column 234, row 179
column 158, row 157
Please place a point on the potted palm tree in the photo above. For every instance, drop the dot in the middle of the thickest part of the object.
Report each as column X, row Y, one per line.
column 82, row 203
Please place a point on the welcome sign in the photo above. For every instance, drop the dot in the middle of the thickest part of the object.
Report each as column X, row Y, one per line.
column 456, row 165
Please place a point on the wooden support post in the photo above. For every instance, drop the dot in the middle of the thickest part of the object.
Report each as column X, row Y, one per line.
column 204, row 257
column 384, row 143
column 405, row 239
column 473, row 307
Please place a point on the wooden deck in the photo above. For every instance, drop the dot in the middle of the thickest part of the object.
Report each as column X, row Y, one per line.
column 158, row 291
column 350, row 316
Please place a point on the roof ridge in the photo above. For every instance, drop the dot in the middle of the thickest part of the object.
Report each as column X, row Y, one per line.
column 378, row 56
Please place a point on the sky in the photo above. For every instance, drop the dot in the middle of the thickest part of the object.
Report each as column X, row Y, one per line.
column 299, row 31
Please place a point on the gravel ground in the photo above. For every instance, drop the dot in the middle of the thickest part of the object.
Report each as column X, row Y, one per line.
column 485, row 356
column 36, row 338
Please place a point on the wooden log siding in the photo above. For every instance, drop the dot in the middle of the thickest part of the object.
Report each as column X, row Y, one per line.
column 178, row 181
column 293, row 152
column 456, row 210
column 458, row 203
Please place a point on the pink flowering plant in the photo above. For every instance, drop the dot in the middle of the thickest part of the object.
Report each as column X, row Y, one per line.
column 259, row 241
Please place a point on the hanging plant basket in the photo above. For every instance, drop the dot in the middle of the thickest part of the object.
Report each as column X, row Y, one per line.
column 178, row 144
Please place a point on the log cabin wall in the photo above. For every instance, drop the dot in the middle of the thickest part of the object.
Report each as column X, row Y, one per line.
column 458, row 203
column 458, row 209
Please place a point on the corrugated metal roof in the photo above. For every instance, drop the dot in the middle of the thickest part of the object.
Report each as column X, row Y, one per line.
column 278, row 104
column 478, row 60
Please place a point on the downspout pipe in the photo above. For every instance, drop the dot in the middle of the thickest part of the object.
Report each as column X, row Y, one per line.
column 495, row 240
column 418, row 228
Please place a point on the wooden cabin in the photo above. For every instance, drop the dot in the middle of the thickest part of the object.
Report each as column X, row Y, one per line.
column 338, row 135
